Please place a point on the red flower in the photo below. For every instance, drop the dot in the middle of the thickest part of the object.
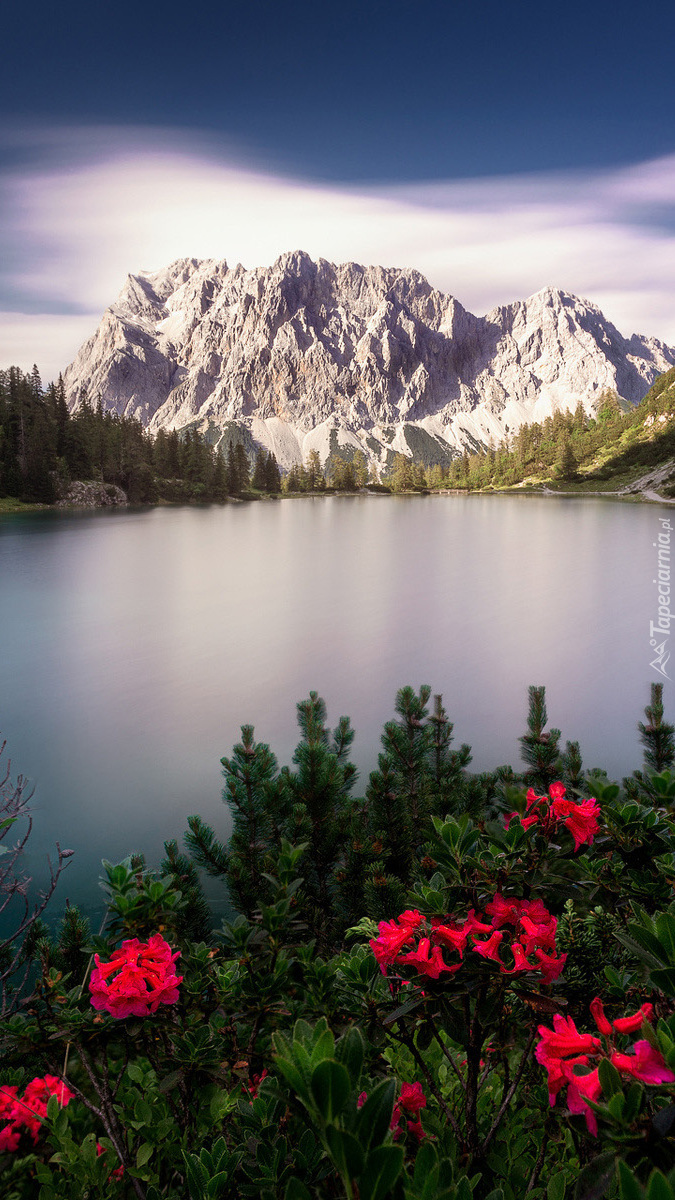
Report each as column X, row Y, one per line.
column 412, row 1098
column 139, row 977
column 454, row 937
column 29, row 1111
column 564, row 1039
column 428, row 961
column 583, row 822
column 503, row 911
column 632, row 1024
column 490, row 949
column 647, row 1064
column 551, row 967
column 393, row 937
column 599, row 1017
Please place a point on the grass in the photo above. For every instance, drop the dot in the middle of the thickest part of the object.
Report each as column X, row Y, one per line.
column 9, row 504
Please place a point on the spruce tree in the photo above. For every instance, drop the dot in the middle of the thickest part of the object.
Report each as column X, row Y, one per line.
column 317, row 798
column 259, row 471
column 243, row 476
column 539, row 749
column 272, row 475
column 447, row 779
column 658, row 741
column 657, row 736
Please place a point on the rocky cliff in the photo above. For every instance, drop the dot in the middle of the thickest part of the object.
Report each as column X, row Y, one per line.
column 306, row 354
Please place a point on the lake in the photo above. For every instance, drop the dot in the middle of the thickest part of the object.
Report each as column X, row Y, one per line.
column 134, row 643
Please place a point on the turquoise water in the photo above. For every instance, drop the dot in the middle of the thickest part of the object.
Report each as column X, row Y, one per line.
column 134, row 644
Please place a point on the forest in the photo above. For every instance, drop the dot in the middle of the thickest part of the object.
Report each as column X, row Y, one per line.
column 44, row 447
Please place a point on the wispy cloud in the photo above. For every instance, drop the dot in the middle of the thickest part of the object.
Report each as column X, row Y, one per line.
column 84, row 207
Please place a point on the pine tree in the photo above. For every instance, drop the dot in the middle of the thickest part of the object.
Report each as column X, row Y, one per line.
column 539, row 750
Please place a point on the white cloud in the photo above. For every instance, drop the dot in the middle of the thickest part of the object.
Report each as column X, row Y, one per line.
column 93, row 205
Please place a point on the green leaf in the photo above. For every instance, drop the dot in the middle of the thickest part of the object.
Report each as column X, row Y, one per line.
column 345, row 1151
column 638, row 950
column 144, row 1154
column 375, row 1116
column 556, row 1187
column 349, row 1051
column 197, row 1177
column 650, row 944
column 382, row 1169
column 658, row 1187
column 629, row 1188
column 664, row 925
column 295, row 1190
column 330, row 1088
column 53, row 1108
column 609, row 1077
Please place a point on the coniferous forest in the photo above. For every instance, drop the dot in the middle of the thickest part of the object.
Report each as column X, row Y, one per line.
column 44, row 447
column 442, row 986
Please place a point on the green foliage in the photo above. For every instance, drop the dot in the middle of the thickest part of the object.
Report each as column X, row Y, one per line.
column 280, row 1071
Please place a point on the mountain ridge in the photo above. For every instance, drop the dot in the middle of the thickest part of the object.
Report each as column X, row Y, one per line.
column 309, row 354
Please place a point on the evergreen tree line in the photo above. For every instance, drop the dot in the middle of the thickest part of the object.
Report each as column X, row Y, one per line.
column 605, row 445
column 362, row 855
column 44, row 447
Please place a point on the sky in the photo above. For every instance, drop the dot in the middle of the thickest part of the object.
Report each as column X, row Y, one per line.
column 498, row 148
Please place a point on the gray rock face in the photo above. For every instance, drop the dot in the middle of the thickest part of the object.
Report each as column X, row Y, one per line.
column 312, row 355
column 93, row 495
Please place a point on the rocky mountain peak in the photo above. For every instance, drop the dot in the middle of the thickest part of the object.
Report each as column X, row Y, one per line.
column 309, row 354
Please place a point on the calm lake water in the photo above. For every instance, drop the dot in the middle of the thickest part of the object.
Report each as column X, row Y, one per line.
column 134, row 644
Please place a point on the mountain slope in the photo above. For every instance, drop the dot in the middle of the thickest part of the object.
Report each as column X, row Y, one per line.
column 307, row 354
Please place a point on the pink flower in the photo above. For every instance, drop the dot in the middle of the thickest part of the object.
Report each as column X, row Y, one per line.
column 363, row 1096
column 139, row 977
column 647, row 1064
column 582, row 1088
column 632, row 1024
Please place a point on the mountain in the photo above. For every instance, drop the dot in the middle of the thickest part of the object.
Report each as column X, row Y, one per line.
column 306, row 354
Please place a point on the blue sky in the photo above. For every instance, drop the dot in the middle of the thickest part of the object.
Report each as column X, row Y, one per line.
column 498, row 147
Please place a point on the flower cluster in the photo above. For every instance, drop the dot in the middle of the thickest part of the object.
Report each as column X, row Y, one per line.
column 139, row 977
column 409, row 1103
column 563, row 1048
column 26, row 1113
column 549, row 811
column 523, row 930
